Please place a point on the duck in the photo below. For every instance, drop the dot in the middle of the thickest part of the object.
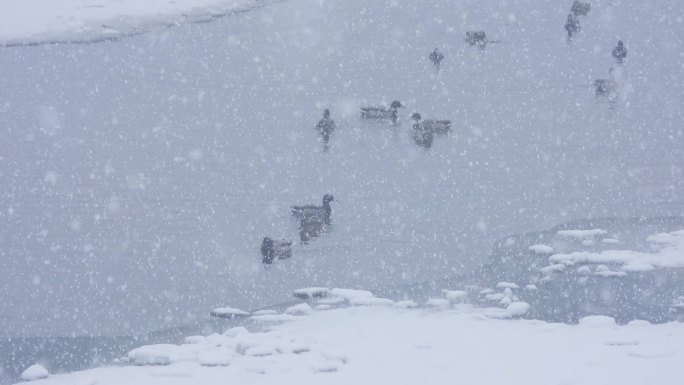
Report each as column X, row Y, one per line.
column 382, row 113
column 433, row 126
column 476, row 38
column 606, row 87
column 313, row 213
column 326, row 125
column 275, row 248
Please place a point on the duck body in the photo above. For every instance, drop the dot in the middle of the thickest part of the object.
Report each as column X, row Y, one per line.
column 313, row 220
column 382, row 113
column 476, row 38
column 606, row 87
column 325, row 126
column 313, row 213
column 580, row 9
column 275, row 248
column 434, row 126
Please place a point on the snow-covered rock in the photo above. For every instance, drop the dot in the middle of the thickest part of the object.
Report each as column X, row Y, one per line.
column 405, row 304
column 350, row 294
column 439, row 303
column 34, row 372
column 371, row 302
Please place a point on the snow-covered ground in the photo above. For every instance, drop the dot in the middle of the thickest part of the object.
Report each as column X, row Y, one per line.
column 39, row 21
column 139, row 176
column 387, row 344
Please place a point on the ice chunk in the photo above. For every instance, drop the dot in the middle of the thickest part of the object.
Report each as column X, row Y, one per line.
column 228, row 312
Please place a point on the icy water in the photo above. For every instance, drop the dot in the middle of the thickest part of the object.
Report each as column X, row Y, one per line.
column 140, row 175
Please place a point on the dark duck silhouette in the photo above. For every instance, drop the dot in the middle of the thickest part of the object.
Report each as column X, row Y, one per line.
column 436, row 57
column 275, row 248
column 620, row 52
column 313, row 219
column 382, row 113
column 606, row 87
column 325, row 126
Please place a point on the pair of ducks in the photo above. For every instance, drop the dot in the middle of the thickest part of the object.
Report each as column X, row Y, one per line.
column 312, row 222
column 391, row 114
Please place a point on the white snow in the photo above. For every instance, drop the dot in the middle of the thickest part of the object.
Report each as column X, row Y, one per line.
column 507, row 285
column 517, row 309
column 439, row 303
column 669, row 253
column 531, row 287
column 555, row 268
column 405, row 304
column 365, row 345
column 34, row 21
column 455, row 296
column 311, row 292
column 350, row 294
column 228, row 312
column 300, row 309
column 34, row 372
column 581, row 234
column 541, row 249
column 371, row 302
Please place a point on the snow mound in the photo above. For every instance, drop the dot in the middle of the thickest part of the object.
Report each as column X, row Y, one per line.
column 34, row 372
column 517, row 309
column 541, row 249
column 455, row 296
column 439, row 303
column 509, row 285
column 406, row 304
column 598, row 321
column 350, row 294
column 301, row 309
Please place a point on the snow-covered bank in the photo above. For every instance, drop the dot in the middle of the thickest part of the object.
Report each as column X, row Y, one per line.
column 383, row 344
column 38, row 21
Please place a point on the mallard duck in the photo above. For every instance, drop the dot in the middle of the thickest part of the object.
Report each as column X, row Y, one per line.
column 476, row 38
column 433, row 126
column 275, row 248
column 313, row 219
column 436, row 57
column 580, row 9
column 382, row 113
column 606, row 87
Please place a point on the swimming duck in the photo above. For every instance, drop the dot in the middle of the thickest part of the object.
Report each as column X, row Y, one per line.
column 275, row 248
column 313, row 213
column 382, row 113
column 476, row 38
column 326, row 125
column 433, row 126
column 606, row 87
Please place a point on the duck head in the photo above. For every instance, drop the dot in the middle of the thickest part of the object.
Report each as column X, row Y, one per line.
column 327, row 198
column 396, row 104
column 326, row 113
column 416, row 116
column 620, row 43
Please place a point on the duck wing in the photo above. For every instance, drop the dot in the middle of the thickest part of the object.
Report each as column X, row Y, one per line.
column 437, row 126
